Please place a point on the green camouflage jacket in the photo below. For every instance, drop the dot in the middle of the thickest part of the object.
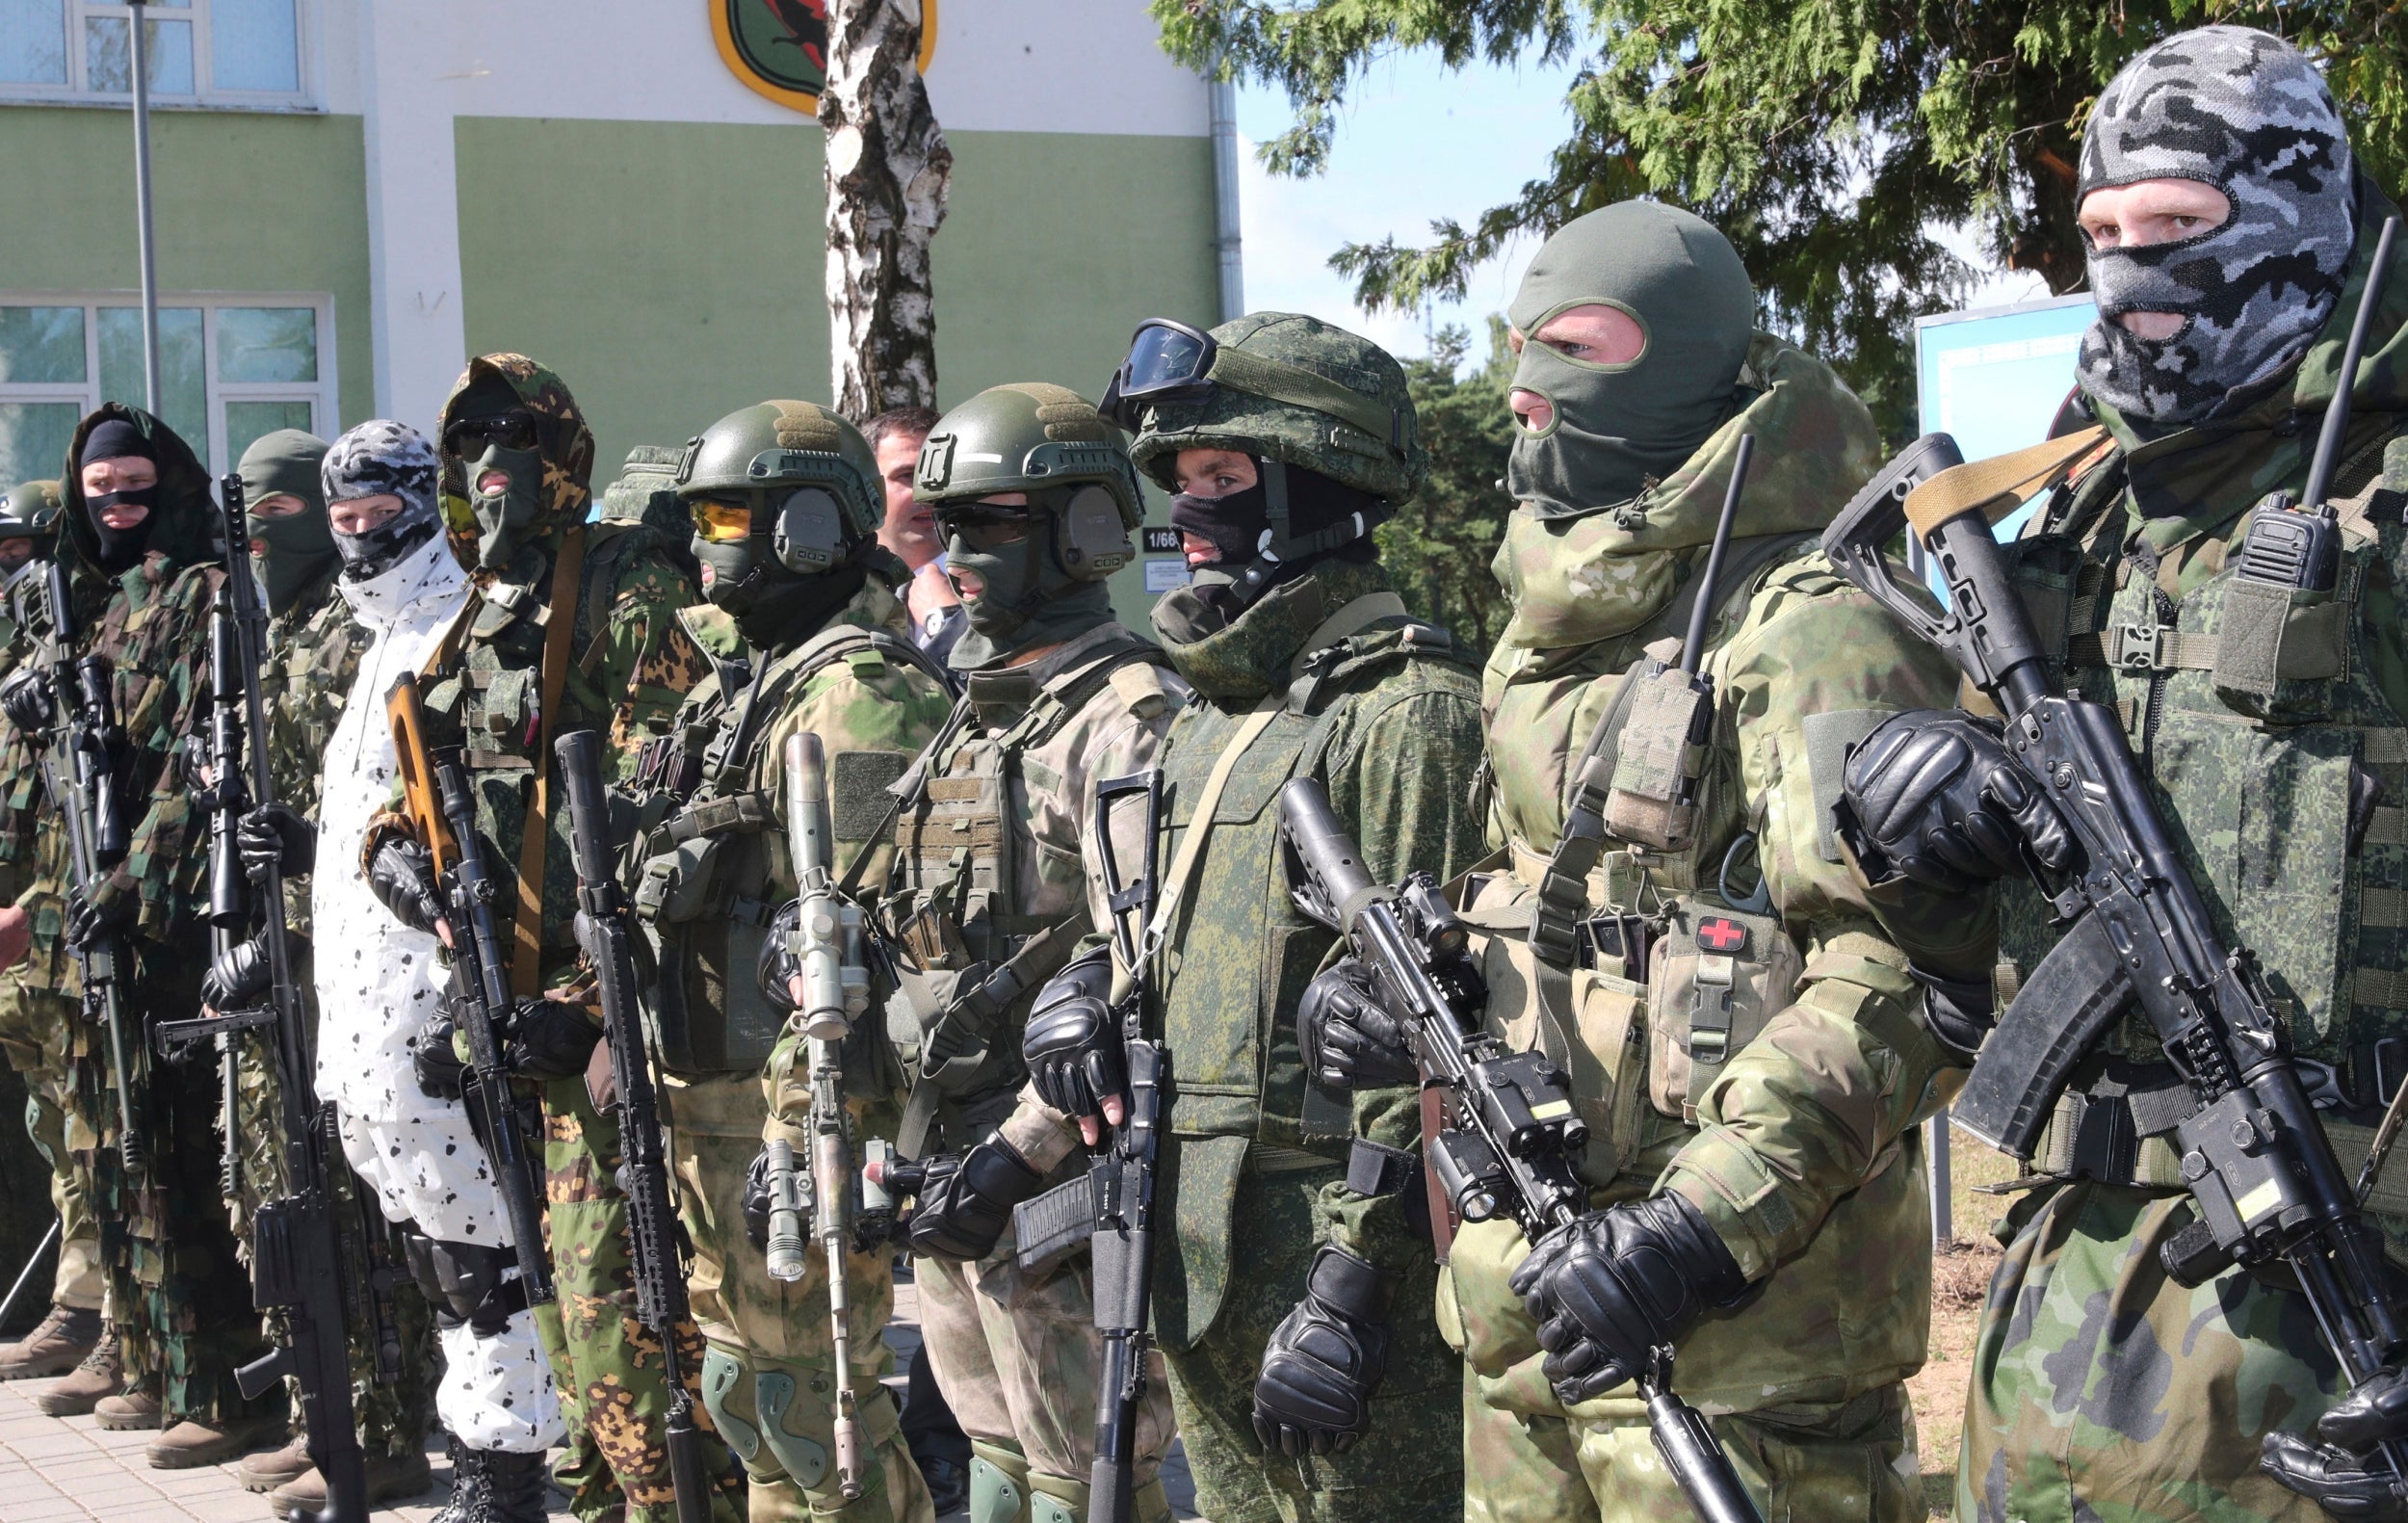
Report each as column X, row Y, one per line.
column 313, row 655
column 1789, row 1120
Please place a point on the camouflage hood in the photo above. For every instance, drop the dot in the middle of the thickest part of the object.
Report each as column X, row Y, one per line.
column 2190, row 480
column 186, row 533
column 565, row 443
column 1257, row 650
column 1578, row 580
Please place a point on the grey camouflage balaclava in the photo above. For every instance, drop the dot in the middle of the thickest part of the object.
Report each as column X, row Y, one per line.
column 378, row 457
column 2241, row 111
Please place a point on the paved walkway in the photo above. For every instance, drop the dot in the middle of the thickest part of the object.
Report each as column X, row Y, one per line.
column 69, row 1469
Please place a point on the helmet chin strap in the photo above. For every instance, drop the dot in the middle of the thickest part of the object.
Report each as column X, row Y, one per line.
column 1280, row 548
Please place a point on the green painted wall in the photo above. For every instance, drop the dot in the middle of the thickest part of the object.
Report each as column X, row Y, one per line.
column 242, row 202
column 671, row 273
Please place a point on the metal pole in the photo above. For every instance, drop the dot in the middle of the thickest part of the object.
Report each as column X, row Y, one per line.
column 1228, row 246
column 27, row 1273
column 140, row 49
column 1943, row 1224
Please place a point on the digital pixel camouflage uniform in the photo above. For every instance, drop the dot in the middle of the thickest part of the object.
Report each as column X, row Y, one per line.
column 180, row 1295
column 628, row 663
column 1795, row 1136
column 2101, row 1387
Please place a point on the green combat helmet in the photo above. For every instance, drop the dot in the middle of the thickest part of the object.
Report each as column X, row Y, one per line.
column 1049, row 445
column 1289, row 390
column 31, row 511
column 781, row 492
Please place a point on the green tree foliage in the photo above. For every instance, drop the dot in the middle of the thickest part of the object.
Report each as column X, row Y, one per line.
column 1439, row 545
column 1828, row 138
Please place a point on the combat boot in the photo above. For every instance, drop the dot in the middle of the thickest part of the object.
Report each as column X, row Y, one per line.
column 491, row 1486
column 271, row 1468
column 94, row 1381
column 54, row 1347
column 391, row 1478
column 194, row 1443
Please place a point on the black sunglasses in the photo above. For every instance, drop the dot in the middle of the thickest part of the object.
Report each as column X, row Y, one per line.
column 512, row 430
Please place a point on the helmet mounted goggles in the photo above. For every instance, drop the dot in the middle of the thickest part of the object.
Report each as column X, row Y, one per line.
column 1169, row 362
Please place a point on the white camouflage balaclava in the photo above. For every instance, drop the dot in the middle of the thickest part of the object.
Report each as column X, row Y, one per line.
column 2241, row 111
column 378, row 456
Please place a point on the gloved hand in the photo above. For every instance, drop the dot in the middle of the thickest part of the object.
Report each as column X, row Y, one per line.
column 100, row 906
column 1618, row 1284
column 402, row 876
column 549, row 1038
column 756, row 1198
column 777, row 967
column 2329, row 1470
column 25, row 698
column 1958, row 1015
column 436, row 1060
column 1933, row 796
column 1350, row 1038
column 965, row 1201
column 237, row 977
column 1324, row 1359
column 274, row 834
column 1072, row 1045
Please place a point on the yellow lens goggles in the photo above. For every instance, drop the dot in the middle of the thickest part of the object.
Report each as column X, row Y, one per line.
column 718, row 522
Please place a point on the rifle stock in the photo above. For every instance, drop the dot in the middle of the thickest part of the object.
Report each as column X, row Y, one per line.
column 654, row 1238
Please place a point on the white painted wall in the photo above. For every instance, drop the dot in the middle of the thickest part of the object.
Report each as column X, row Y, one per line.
column 409, row 96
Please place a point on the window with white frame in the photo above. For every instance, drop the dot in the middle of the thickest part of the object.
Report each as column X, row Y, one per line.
column 202, row 52
column 231, row 368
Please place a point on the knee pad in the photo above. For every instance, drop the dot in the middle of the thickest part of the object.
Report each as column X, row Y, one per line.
column 1059, row 1499
column 727, row 1396
column 999, row 1483
column 779, row 1397
column 476, row 1283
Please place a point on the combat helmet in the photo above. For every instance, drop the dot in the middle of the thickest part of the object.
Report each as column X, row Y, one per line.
column 30, row 511
column 1051, row 443
column 812, row 467
column 1288, row 389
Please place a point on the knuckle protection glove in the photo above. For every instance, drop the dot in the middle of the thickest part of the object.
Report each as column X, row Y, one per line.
column 1618, row 1284
column 2334, row 1468
column 550, row 1038
column 237, row 977
column 1351, row 1039
column 756, row 1200
column 100, row 907
column 1324, row 1359
column 1960, row 1016
column 777, row 967
column 1931, row 796
column 966, row 1202
column 275, row 835
column 435, row 1060
column 25, row 698
column 401, row 877
column 1072, row 1044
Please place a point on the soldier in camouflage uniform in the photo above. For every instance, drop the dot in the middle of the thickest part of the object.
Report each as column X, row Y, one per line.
column 1035, row 498
column 2232, row 238
column 532, row 660
column 804, row 634
column 1286, row 442
column 30, row 1037
column 313, row 651
column 1743, row 1037
column 138, row 551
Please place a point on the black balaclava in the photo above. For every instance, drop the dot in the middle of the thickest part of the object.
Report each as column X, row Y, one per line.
column 299, row 546
column 509, row 519
column 381, row 455
column 114, row 439
column 1618, row 428
column 2245, row 113
column 1239, row 526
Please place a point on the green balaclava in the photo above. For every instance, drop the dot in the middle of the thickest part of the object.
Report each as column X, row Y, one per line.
column 508, row 414
column 1618, row 428
column 299, row 547
column 1040, row 564
column 786, row 503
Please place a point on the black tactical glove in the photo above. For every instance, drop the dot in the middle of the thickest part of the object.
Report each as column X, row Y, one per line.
column 1619, row 1283
column 1350, row 1040
column 1072, row 1044
column 1324, row 1359
column 756, row 1198
column 101, row 907
column 25, row 698
column 549, row 1038
column 237, row 977
column 777, row 967
column 966, row 1202
column 274, row 834
column 1932, row 797
column 402, row 876
column 2330, row 1471
column 433, row 1056
column 1958, row 1015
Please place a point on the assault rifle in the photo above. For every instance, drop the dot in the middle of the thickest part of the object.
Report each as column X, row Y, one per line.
column 297, row 1254
column 1512, row 1131
column 654, row 1238
column 2138, row 930
column 434, row 794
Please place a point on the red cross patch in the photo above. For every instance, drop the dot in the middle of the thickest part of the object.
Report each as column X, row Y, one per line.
column 1717, row 934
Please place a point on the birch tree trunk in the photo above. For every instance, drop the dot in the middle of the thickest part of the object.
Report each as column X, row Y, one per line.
column 888, row 169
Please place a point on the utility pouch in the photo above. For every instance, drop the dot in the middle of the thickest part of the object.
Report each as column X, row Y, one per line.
column 1609, row 1069
column 674, row 887
column 1654, row 798
column 2285, row 616
column 1719, row 977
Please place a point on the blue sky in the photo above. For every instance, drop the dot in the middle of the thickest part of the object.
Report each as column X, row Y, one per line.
column 1416, row 143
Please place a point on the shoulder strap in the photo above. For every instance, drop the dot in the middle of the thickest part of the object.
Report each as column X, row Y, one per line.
column 526, row 970
column 1200, row 823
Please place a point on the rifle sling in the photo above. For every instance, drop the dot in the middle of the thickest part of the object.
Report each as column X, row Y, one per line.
column 526, row 965
column 1200, row 830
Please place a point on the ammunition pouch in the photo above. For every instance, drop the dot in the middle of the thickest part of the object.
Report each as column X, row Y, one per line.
column 1661, row 752
column 702, row 894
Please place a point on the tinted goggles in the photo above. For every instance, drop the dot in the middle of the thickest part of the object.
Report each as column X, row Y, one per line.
column 1166, row 359
column 720, row 520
